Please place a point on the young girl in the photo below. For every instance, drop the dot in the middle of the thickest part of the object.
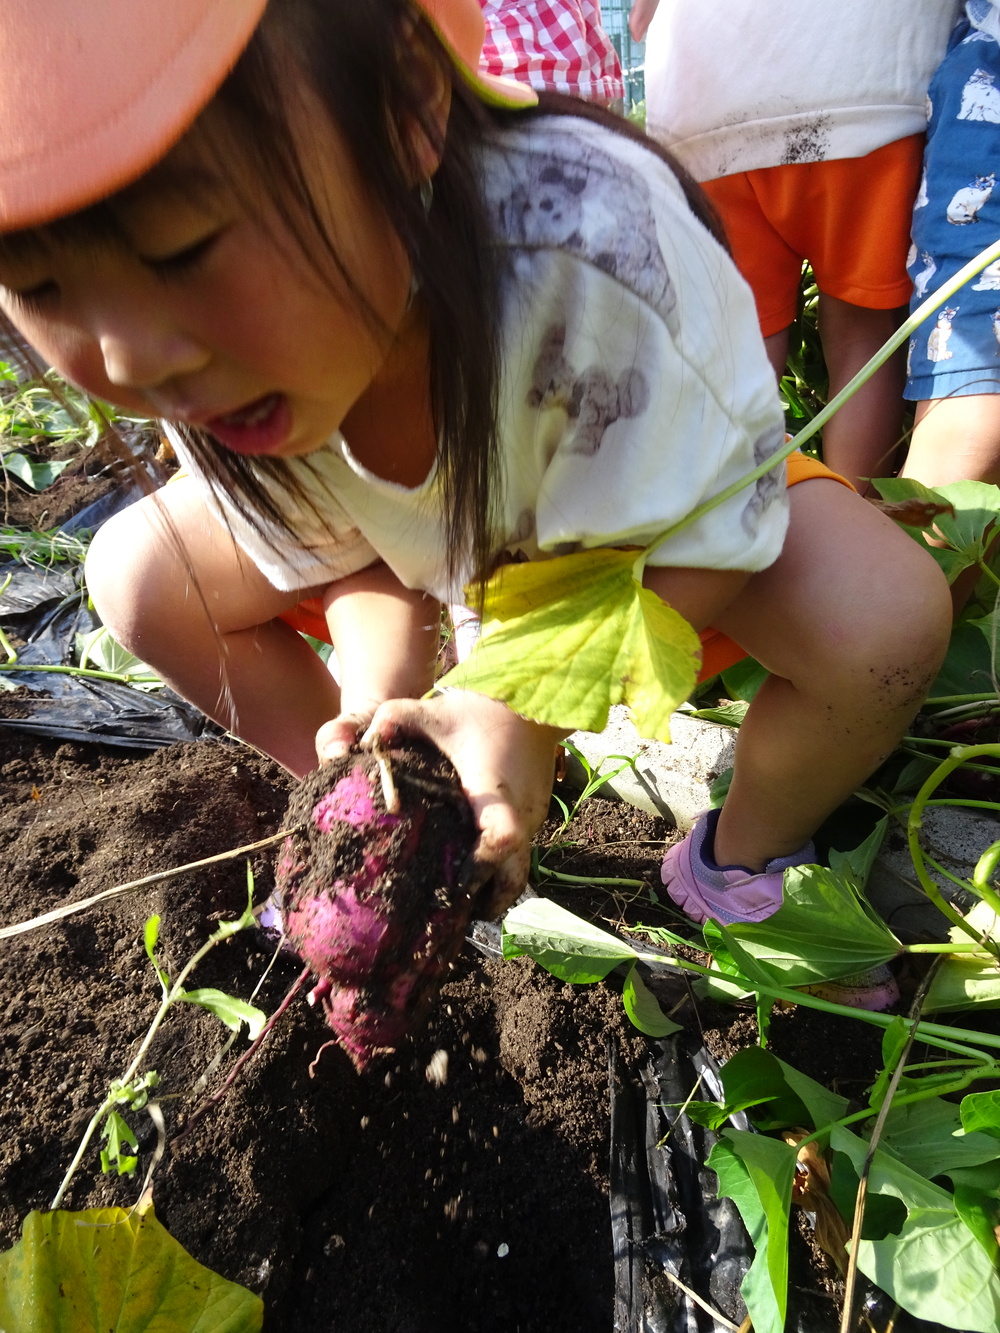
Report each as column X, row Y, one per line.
column 403, row 330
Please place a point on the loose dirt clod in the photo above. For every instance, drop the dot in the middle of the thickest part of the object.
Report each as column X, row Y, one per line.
column 370, row 894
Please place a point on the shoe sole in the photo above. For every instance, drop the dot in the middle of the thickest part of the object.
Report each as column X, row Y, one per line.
column 688, row 900
column 875, row 999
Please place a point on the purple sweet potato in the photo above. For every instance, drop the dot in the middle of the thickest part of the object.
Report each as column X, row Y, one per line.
column 370, row 896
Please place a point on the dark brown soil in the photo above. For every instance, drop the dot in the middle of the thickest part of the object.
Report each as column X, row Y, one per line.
column 75, row 488
column 461, row 1185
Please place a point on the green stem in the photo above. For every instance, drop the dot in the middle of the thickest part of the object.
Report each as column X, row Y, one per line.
column 926, row 308
column 975, row 805
column 986, row 570
column 5, row 643
column 971, row 768
column 934, row 1034
column 958, row 756
column 966, row 712
column 546, row 873
column 935, row 864
column 951, row 947
column 906, row 1100
column 171, row 998
column 8, row 648
column 986, row 866
column 960, row 699
column 947, row 745
column 122, row 677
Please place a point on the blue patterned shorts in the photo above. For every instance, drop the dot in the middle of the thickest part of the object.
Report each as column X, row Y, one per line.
column 956, row 351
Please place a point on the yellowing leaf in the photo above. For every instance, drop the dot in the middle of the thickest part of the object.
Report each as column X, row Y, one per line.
column 564, row 639
column 106, row 1269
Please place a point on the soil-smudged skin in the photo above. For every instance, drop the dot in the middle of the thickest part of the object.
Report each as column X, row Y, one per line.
column 371, row 896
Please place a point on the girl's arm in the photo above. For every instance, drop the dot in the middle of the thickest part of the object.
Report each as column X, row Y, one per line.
column 386, row 638
column 505, row 762
column 640, row 17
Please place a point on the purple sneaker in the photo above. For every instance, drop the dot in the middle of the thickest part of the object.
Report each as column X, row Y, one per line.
column 702, row 889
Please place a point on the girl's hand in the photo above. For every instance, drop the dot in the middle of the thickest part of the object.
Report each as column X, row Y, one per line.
column 505, row 764
column 640, row 17
column 335, row 738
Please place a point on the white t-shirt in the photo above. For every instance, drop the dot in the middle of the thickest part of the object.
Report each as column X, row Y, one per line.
column 734, row 85
column 634, row 386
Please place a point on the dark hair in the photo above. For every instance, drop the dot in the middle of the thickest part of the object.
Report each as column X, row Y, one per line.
column 372, row 94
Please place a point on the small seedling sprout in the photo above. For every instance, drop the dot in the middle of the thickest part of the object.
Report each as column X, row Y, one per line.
column 131, row 1090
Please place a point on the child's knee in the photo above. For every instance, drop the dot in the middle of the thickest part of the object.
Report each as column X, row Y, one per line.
column 117, row 577
column 905, row 634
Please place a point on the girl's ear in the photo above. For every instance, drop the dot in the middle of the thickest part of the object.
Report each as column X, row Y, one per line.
column 422, row 130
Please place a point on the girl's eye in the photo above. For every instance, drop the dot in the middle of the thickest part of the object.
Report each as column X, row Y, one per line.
column 33, row 298
column 182, row 260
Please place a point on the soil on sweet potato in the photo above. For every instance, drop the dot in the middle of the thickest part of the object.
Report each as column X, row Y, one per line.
column 460, row 1184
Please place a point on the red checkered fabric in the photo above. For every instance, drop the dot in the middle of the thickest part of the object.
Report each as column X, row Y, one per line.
column 556, row 47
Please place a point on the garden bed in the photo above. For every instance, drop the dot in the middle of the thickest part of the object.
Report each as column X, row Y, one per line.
column 399, row 1200
column 382, row 1202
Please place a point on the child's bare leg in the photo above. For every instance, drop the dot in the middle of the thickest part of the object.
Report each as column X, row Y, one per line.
column 862, row 439
column 776, row 346
column 853, row 621
column 956, row 439
column 227, row 654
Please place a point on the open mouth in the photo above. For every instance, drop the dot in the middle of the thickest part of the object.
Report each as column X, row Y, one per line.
column 259, row 427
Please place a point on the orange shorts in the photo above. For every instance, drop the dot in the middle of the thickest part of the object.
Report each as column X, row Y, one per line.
column 718, row 651
column 849, row 217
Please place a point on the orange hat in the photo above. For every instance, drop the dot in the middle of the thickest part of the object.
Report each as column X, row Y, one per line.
column 94, row 92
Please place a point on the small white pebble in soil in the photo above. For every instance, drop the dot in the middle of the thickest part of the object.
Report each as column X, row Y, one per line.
column 503, row 1249
column 364, row 1122
column 264, row 1272
column 479, row 1055
column 454, row 1115
column 437, row 1071
column 332, row 1245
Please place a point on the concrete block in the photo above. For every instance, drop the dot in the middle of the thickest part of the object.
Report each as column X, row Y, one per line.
column 675, row 780
column 669, row 780
column 953, row 836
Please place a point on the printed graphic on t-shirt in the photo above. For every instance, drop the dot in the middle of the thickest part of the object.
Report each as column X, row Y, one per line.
column 591, row 397
column 589, row 204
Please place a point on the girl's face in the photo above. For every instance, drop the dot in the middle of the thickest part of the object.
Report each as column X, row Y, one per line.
column 206, row 312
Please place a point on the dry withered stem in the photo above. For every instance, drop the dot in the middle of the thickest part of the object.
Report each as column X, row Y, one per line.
column 850, row 1281
column 69, row 909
